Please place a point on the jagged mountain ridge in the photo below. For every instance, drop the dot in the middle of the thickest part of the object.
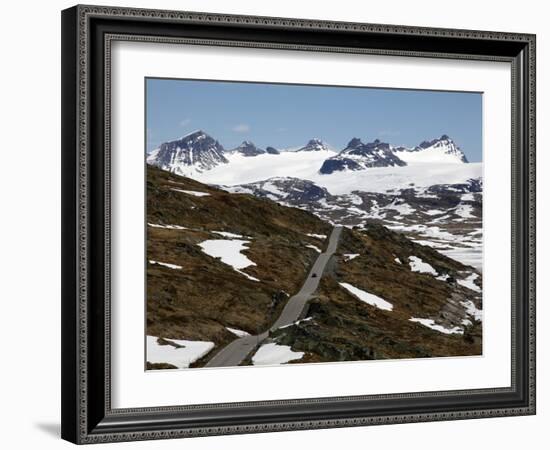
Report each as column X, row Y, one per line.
column 198, row 152
column 442, row 149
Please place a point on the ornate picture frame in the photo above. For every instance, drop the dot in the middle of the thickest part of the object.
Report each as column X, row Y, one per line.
column 88, row 33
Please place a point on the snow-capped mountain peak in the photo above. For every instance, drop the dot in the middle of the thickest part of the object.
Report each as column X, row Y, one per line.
column 314, row 145
column 248, row 148
column 198, row 153
column 359, row 156
column 192, row 153
column 440, row 150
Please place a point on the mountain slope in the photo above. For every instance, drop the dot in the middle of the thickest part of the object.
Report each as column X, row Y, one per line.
column 193, row 153
column 441, row 150
column 221, row 264
column 192, row 295
column 361, row 312
column 285, row 190
column 359, row 156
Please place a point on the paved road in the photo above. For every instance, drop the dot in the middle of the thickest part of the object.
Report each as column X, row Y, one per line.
column 235, row 352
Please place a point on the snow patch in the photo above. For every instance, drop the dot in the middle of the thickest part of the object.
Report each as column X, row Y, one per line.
column 350, row 256
column 269, row 186
column 472, row 310
column 229, row 251
column 402, row 208
column 236, row 332
column 318, row 236
column 180, row 354
column 170, row 266
column 434, row 212
column 167, row 227
column 194, row 193
column 417, row 265
column 307, row 319
column 464, row 211
column 430, row 323
column 469, row 282
column 227, row 234
column 270, row 354
column 318, row 250
column 367, row 297
column 237, row 190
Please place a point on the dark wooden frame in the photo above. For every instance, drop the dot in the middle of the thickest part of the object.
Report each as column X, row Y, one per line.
column 87, row 32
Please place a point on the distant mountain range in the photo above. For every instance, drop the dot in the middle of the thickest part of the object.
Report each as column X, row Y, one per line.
column 198, row 152
column 429, row 192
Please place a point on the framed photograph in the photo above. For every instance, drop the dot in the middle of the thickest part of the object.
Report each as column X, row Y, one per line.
column 283, row 224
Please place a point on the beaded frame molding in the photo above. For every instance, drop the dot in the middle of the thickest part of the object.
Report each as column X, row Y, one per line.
column 87, row 35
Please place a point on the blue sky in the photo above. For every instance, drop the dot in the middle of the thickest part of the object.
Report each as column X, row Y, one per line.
column 284, row 116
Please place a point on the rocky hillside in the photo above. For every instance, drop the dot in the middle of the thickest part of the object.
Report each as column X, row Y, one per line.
column 221, row 265
column 387, row 297
column 220, row 261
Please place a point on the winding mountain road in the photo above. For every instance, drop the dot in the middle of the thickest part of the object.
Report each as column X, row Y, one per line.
column 235, row 352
